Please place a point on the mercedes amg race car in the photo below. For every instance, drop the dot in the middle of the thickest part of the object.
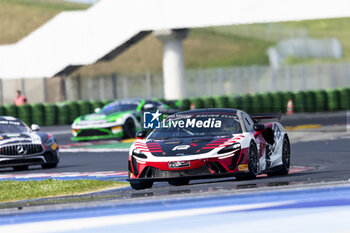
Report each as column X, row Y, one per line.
column 21, row 146
column 208, row 143
column 121, row 118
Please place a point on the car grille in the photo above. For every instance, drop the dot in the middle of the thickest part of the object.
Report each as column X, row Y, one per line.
column 152, row 172
column 92, row 132
column 21, row 149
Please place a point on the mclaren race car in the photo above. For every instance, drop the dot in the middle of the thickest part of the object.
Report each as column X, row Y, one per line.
column 119, row 119
column 208, row 143
column 21, row 146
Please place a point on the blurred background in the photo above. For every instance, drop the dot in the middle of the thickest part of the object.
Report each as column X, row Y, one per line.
column 256, row 67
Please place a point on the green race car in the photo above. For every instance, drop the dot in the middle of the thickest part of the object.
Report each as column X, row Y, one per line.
column 119, row 119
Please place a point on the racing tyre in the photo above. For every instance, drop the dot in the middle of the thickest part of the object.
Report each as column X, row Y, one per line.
column 284, row 168
column 141, row 185
column 253, row 164
column 49, row 165
column 52, row 160
column 129, row 128
column 179, row 182
column 253, row 161
column 20, row 168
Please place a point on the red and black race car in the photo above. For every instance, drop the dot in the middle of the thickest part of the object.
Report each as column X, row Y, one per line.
column 209, row 143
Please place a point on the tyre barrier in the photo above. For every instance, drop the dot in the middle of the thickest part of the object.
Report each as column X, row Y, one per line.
column 345, row 98
column 96, row 104
column 73, row 110
column 25, row 113
column 64, row 113
column 303, row 101
column 209, row 102
column 84, row 107
column 334, row 100
column 50, row 113
column 221, row 101
column 321, row 101
column 10, row 110
column 38, row 112
column 185, row 104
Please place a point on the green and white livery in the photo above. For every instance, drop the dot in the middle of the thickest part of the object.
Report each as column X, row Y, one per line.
column 119, row 119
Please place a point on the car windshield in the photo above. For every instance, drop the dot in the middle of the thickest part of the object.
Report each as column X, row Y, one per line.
column 13, row 126
column 197, row 125
column 118, row 107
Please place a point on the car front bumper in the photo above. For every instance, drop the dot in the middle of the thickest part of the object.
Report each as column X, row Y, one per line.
column 25, row 160
column 97, row 133
column 208, row 167
column 48, row 156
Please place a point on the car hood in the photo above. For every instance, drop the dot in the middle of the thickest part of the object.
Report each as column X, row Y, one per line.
column 94, row 117
column 100, row 118
column 184, row 146
column 14, row 138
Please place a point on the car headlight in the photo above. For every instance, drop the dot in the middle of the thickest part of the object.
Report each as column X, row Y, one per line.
column 137, row 153
column 119, row 121
column 230, row 148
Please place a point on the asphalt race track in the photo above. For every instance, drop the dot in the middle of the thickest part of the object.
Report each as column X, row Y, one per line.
column 314, row 196
column 326, row 164
column 325, row 160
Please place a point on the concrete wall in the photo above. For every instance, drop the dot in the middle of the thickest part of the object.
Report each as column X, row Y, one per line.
column 9, row 88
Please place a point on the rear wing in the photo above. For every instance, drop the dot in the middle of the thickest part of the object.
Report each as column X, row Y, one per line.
column 262, row 116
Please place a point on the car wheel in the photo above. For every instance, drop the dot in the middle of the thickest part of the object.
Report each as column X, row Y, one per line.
column 284, row 168
column 179, row 182
column 129, row 128
column 52, row 160
column 253, row 161
column 20, row 168
column 141, row 184
column 49, row 165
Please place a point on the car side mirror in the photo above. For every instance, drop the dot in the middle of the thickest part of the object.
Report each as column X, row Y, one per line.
column 35, row 127
column 141, row 134
column 97, row 110
column 259, row 127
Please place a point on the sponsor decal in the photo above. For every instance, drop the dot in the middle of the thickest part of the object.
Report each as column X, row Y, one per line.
column 179, row 164
column 243, row 167
column 15, row 140
column 54, row 146
column 181, row 147
column 192, row 123
column 13, row 135
column 152, row 120
column 9, row 122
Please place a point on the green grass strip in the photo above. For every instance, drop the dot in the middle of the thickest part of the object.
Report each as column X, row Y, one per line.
column 23, row 190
